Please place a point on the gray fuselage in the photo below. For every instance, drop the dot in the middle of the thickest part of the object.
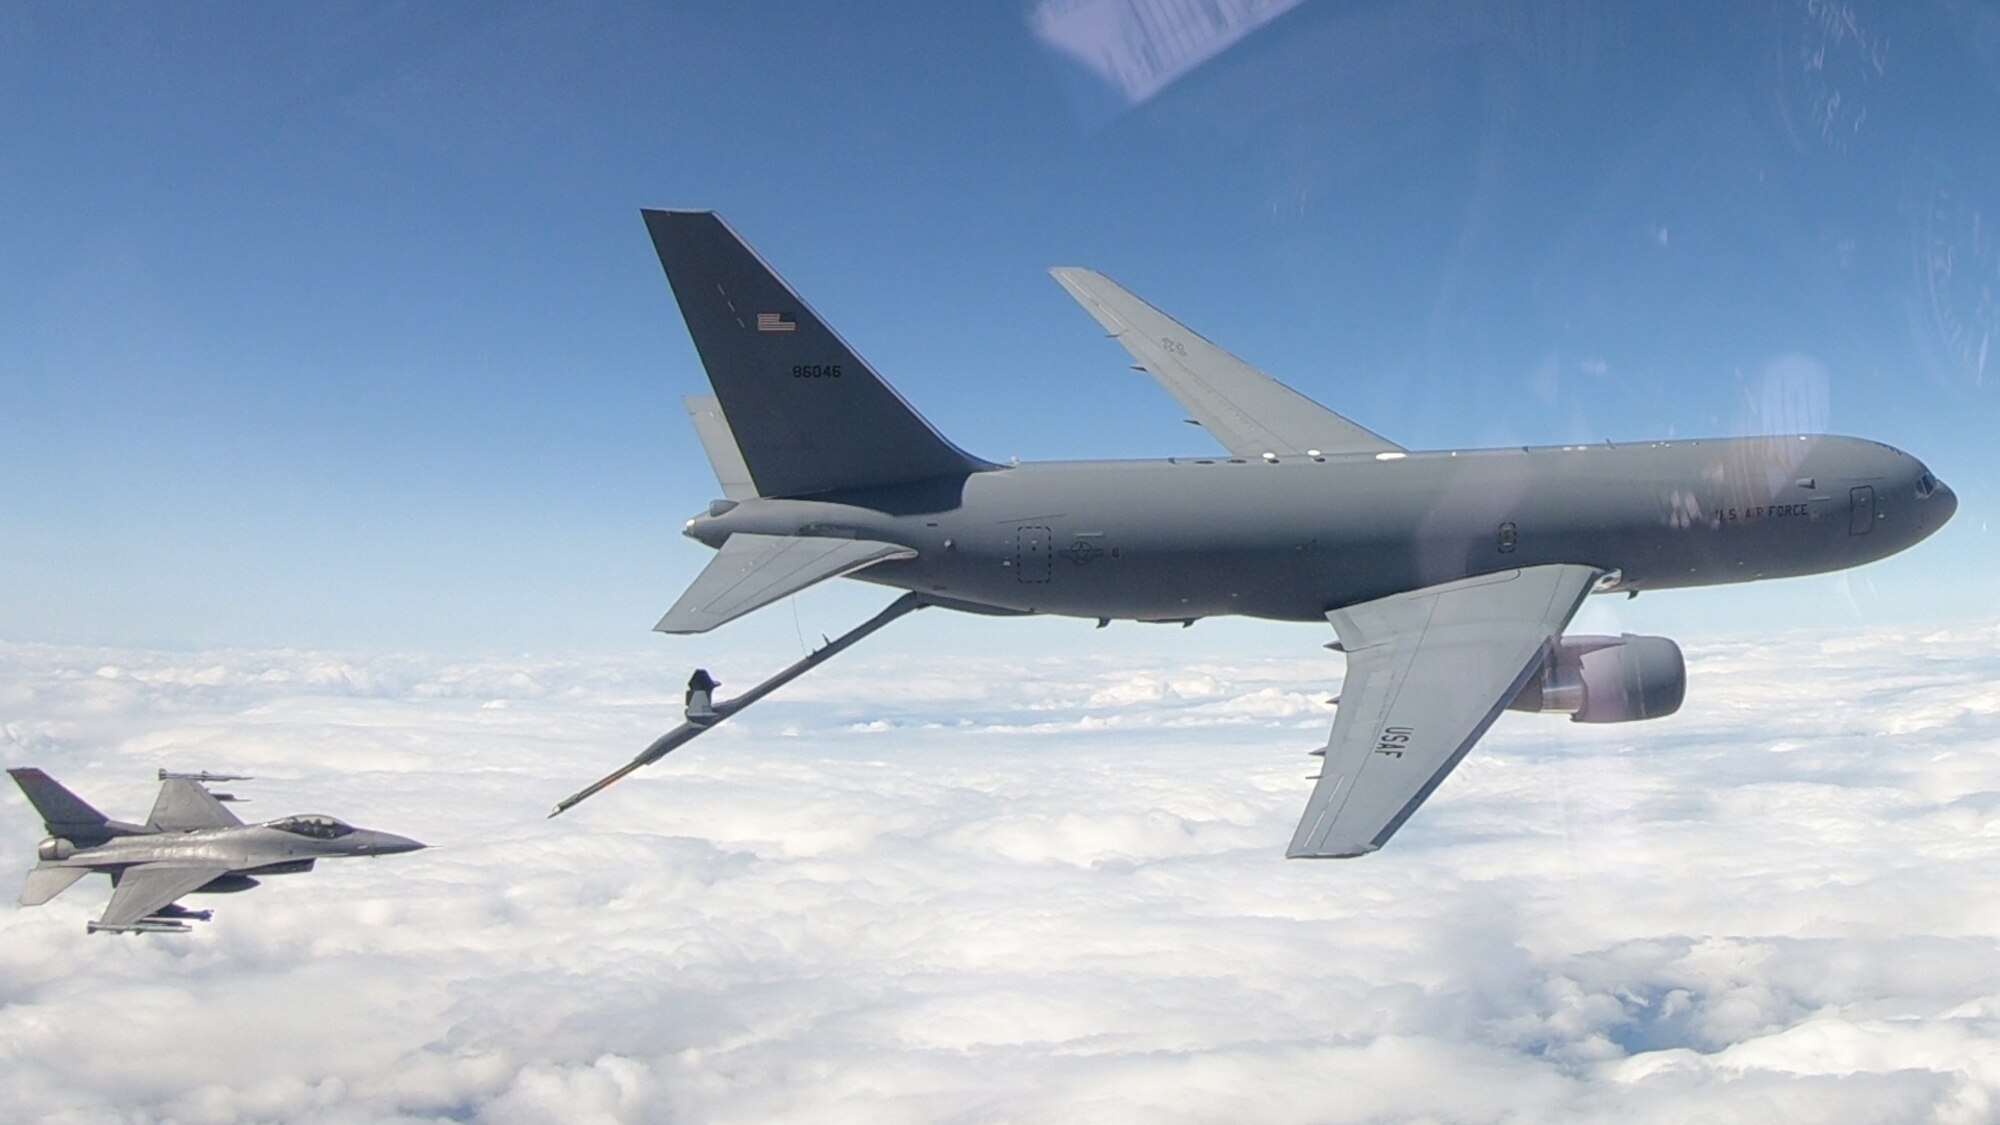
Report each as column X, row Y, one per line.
column 1291, row 537
column 247, row 849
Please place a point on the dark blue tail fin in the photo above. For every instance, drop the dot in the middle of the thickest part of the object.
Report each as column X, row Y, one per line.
column 62, row 811
column 808, row 414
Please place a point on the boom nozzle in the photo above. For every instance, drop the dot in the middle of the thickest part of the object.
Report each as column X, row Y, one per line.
column 701, row 699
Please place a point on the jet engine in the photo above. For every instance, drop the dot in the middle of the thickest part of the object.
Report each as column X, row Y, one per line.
column 1608, row 679
column 55, row 849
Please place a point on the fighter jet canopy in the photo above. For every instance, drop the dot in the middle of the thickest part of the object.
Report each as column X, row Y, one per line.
column 317, row 827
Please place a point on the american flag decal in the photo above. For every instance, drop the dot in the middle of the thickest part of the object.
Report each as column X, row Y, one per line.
column 776, row 322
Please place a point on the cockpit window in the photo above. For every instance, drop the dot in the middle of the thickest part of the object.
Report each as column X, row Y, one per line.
column 1926, row 485
column 317, row 827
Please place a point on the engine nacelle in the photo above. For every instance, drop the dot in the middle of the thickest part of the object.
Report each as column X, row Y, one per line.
column 1608, row 679
column 55, row 849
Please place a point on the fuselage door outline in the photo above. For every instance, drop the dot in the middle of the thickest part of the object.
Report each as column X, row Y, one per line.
column 1032, row 555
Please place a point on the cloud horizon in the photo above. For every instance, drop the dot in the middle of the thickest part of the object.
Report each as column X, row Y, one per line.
column 1025, row 891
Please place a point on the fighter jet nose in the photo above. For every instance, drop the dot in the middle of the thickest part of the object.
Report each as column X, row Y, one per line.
column 388, row 843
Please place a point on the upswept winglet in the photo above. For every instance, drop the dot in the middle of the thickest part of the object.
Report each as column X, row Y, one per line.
column 1249, row 412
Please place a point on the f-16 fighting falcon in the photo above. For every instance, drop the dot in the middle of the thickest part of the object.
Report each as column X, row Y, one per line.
column 191, row 844
column 1448, row 576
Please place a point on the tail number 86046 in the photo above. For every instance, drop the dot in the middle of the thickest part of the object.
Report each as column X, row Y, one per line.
column 816, row 371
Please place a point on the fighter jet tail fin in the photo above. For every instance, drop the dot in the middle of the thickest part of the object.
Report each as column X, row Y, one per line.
column 61, row 809
column 807, row 414
column 45, row 883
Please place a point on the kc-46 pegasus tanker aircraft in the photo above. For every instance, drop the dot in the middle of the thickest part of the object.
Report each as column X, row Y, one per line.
column 1448, row 576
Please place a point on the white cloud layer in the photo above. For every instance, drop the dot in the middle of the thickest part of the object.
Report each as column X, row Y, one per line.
column 1053, row 891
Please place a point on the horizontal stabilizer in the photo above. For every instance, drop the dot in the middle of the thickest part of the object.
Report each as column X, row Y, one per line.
column 45, row 883
column 1249, row 412
column 752, row 571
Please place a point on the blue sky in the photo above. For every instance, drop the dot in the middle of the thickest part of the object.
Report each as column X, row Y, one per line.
column 337, row 326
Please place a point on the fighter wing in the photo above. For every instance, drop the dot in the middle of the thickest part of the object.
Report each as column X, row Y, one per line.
column 148, row 887
column 1427, row 673
column 1249, row 412
column 184, row 805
